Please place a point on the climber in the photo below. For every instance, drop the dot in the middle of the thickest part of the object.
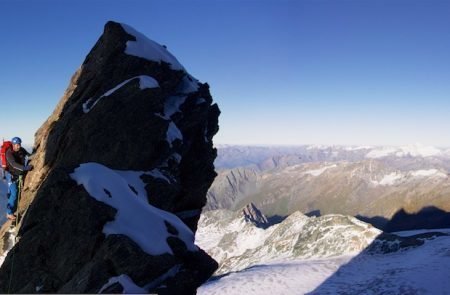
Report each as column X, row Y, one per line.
column 17, row 168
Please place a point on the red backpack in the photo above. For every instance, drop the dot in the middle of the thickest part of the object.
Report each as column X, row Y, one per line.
column 5, row 146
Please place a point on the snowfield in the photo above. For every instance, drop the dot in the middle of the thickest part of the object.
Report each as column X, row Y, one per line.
column 421, row 270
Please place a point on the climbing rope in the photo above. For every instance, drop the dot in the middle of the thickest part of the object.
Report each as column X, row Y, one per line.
column 19, row 192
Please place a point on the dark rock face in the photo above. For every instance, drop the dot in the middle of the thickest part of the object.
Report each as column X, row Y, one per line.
column 255, row 216
column 428, row 217
column 388, row 242
column 106, row 116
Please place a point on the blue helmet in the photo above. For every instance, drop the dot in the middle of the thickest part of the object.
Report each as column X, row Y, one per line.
column 16, row 140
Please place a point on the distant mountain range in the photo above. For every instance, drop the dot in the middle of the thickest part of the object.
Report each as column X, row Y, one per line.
column 380, row 185
column 265, row 157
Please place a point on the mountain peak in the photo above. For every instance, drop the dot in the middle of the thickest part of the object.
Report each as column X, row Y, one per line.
column 254, row 215
column 413, row 150
column 126, row 156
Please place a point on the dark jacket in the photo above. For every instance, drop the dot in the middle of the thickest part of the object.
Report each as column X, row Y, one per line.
column 16, row 161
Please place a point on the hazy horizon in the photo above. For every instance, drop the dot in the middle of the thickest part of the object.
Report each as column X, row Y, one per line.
column 216, row 144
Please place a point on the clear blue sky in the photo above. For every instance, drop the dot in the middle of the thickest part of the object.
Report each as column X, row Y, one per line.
column 283, row 72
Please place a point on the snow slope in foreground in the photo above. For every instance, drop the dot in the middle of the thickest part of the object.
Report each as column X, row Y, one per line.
column 421, row 270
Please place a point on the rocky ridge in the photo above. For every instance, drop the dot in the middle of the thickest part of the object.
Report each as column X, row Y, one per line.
column 132, row 130
column 237, row 243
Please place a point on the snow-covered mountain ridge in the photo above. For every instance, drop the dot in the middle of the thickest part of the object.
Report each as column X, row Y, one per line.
column 237, row 244
column 415, row 270
column 416, row 150
column 331, row 254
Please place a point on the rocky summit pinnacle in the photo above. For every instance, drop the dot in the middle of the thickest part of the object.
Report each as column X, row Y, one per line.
column 254, row 215
column 121, row 172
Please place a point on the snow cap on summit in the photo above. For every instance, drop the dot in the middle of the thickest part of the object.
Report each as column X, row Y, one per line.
column 149, row 49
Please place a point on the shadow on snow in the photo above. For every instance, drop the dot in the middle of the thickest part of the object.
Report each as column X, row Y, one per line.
column 387, row 242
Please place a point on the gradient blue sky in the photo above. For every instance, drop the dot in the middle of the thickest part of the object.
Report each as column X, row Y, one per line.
column 283, row 72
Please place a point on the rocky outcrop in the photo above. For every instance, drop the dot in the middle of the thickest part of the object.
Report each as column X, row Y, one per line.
column 255, row 216
column 122, row 168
